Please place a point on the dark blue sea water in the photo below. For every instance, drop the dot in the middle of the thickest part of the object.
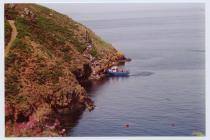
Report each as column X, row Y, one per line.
column 165, row 94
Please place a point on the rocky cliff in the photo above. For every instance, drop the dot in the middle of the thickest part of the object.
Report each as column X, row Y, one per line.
column 45, row 64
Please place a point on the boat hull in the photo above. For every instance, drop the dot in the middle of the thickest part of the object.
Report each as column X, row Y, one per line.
column 118, row 74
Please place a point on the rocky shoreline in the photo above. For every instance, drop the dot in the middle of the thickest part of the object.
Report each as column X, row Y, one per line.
column 52, row 125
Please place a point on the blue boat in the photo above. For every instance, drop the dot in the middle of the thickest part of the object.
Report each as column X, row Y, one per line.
column 114, row 71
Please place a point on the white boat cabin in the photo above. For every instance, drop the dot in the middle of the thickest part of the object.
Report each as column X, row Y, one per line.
column 114, row 69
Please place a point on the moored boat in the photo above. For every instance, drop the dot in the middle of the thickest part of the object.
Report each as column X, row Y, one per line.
column 115, row 71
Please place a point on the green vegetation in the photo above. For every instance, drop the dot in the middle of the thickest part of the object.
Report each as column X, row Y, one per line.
column 42, row 9
column 65, row 49
column 54, row 34
column 21, row 101
column 10, row 59
column 8, row 31
column 43, row 75
column 93, row 52
column 12, row 84
column 48, row 25
column 23, row 27
column 11, row 13
column 20, row 46
column 79, row 45
column 67, row 57
column 53, row 30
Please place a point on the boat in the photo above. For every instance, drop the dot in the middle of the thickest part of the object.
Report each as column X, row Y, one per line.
column 115, row 71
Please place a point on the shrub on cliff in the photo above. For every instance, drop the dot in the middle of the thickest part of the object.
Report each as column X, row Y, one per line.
column 7, row 30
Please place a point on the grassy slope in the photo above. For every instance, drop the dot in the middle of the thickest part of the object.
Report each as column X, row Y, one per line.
column 40, row 64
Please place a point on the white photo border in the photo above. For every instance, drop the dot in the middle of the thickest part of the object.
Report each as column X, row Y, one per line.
column 207, row 69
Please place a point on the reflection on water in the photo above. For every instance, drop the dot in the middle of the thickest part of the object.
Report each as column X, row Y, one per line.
column 70, row 119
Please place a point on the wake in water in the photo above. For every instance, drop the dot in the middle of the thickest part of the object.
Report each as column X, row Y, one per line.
column 144, row 73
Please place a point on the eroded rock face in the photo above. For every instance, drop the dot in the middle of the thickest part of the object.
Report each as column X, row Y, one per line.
column 84, row 73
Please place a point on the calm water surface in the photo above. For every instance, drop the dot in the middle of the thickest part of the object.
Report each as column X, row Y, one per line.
column 165, row 94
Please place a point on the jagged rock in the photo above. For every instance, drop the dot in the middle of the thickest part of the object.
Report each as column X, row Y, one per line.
column 26, row 11
column 83, row 74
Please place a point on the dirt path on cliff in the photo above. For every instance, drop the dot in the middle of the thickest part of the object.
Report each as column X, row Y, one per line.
column 13, row 36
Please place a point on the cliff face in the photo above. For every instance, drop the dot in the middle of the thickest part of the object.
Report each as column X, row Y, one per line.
column 49, row 58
